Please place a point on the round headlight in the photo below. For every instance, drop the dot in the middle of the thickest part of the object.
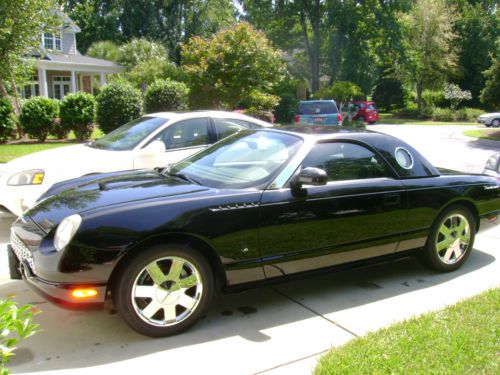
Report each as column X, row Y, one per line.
column 66, row 230
column 32, row 177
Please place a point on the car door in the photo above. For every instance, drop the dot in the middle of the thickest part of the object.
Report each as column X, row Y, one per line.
column 360, row 213
column 224, row 127
column 182, row 139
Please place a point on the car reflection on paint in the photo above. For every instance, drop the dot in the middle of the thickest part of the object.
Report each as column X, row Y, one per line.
column 259, row 206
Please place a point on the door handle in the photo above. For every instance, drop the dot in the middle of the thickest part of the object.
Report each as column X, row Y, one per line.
column 392, row 199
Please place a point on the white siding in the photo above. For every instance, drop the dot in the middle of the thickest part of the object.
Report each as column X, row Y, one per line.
column 68, row 43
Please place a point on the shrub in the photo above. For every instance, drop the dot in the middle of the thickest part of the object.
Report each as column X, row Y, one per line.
column 443, row 114
column 6, row 120
column 166, row 95
column 434, row 98
column 38, row 115
column 469, row 114
column 285, row 108
column 58, row 131
column 117, row 104
column 77, row 114
column 410, row 110
column 15, row 325
column 261, row 114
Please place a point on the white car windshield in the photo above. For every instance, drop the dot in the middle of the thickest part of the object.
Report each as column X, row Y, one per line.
column 127, row 136
column 247, row 159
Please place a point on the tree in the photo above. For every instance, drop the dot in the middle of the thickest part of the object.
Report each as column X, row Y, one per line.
column 22, row 23
column 105, row 49
column 491, row 92
column 455, row 94
column 292, row 23
column 139, row 50
column 97, row 19
column 477, row 29
column 342, row 92
column 430, row 57
column 230, row 66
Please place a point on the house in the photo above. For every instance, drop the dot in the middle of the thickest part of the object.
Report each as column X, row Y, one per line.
column 61, row 69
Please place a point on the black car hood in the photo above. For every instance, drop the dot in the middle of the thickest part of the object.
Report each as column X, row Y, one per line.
column 125, row 187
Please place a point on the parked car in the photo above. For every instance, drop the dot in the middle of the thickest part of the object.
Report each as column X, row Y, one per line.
column 492, row 167
column 258, row 206
column 366, row 111
column 490, row 119
column 318, row 112
column 154, row 140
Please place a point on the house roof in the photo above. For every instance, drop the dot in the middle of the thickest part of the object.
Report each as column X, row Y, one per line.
column 79, row 59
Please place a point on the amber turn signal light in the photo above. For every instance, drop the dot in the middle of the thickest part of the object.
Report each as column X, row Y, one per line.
column 84, row 293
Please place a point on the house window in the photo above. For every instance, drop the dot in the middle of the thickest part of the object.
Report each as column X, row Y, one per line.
column 31, row 89
column 61, row 86
column 52, row 41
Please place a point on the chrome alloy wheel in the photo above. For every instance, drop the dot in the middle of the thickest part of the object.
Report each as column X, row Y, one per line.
column 453, row 238
column 167, row 291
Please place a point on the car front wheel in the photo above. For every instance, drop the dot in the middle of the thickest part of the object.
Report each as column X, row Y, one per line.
column 451, row 240
column 495, row 123
column 164, row 290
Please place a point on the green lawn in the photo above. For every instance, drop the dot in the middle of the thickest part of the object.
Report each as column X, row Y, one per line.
column 492, row 134
column 16, row 149
column 461, row 339
column 389, row 118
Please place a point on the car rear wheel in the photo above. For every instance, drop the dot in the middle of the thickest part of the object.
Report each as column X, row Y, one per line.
column 495, row 123
column 361, row 118
column 451, row 240
column 164, row 290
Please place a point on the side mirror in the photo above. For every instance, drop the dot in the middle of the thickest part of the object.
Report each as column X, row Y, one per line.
column 310, row 176
column 154, row 148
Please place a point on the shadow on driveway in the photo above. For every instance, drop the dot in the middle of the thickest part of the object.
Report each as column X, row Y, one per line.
column 75, row 339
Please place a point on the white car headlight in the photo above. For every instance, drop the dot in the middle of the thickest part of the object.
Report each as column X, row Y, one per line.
column 32, row 177
column 66, row 230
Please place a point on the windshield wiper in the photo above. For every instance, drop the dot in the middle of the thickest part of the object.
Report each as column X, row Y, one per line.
column 184, row 177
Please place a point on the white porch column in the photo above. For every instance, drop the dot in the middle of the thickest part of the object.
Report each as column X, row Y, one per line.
column 73, row 81
column 42, row 82
column 102, row 79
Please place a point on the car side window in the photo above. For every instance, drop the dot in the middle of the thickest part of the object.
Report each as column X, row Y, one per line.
column 345, row 161
column 225, row 127
column 187, row 133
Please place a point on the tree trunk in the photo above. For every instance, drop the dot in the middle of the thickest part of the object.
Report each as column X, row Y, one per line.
column 419, row 96
column 313, row 49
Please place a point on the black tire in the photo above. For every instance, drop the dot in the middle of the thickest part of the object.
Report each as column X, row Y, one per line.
column 361, row 118
column 495, row 123
column 193, row 266
column 457, row 251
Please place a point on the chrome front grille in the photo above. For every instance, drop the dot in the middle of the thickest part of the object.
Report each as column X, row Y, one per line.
column 21, row 251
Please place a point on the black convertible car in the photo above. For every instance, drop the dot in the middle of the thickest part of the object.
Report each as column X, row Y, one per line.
column 259, row 206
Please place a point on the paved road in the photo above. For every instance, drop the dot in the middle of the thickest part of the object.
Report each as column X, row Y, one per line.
column 273, row 330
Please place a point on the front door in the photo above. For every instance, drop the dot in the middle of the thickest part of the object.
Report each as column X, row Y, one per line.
column 61, row 86
column 359, row 214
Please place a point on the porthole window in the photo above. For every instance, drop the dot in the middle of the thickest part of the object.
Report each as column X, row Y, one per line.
column 404, row 158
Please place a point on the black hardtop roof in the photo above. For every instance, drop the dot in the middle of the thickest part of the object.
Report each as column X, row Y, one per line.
column 385, row 144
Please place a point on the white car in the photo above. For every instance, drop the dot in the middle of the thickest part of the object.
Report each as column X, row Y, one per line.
column 154, row 140
column 490, row 119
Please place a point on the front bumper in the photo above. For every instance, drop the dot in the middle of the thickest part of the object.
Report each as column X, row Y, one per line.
column 58, row 293
column 17, row 199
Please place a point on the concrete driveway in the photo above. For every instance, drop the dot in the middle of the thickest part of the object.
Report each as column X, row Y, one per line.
column 274, row 330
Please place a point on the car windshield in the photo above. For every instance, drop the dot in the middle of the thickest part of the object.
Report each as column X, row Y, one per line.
column 246, row 159
column 127, row 136
column 317, row 108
